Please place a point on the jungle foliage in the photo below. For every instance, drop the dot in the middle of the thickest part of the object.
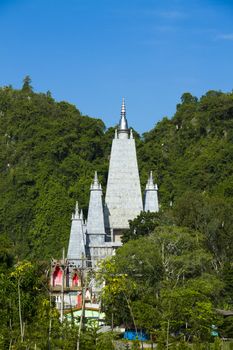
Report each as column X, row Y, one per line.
column 49, row 152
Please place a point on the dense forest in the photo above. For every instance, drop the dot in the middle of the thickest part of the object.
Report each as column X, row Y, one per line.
column 49, row 152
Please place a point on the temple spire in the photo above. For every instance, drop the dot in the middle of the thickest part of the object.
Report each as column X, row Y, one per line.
column 123, row 109
column 96, row 182
column 123, row 124
column 150, row 182
column 95, row 218
column 123, row 200
column 96, row 185
column 76, row 213
column 151, row 195
column 81, row 215
column 76, row 246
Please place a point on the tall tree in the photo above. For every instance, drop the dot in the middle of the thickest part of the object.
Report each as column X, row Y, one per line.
column 27, row 87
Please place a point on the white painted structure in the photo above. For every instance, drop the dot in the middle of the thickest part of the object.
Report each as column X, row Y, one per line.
column 100, row 236
column 76, row 243
column 123, row 202
column 95, row 218
column 151, row 202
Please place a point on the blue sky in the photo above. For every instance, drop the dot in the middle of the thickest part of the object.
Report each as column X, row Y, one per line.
column 94, row 52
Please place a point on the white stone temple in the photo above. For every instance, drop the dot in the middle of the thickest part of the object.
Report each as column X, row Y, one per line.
column 100, row 235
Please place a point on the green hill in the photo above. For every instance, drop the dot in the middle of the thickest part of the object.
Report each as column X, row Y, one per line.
column 49, row 152
column 193, row 151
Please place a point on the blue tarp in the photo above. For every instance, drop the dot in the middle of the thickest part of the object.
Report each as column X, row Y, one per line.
column 132, row 335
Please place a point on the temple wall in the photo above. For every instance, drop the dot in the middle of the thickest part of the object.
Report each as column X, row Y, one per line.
column 96, row 239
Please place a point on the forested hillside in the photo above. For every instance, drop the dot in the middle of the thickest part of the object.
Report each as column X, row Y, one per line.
column 174, row 270
column 173, row 276
column 193, row 151
column 49, row 152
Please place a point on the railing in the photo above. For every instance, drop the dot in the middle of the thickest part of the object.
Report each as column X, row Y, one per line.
column 66, row 289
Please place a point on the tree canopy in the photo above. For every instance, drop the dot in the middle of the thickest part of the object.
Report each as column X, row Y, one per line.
column 175, row 267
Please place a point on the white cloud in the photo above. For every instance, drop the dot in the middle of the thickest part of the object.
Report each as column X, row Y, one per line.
column 225, row 36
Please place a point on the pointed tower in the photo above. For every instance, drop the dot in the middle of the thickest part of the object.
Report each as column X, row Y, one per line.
column 123, row 201
column 151, row 202
column 76, row 243
column 95, row 218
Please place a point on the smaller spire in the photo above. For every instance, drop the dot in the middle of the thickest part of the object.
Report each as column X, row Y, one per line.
column 131, row 134
column 76, row 245
column 81, row 215
column 96, row 185
column 76, row 213
column 151, row 180
column 123, row 124
column 96, row 182
column 151, row 202
column 150, row 183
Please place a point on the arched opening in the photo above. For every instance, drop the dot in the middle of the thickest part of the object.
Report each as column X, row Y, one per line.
column 75, row 280
column 57, row 276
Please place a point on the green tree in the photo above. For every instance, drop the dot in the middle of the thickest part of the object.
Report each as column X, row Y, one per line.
column 27, row 84
column 143, row 225
column 105, row 341
column 162, row 281
column 213, row 217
